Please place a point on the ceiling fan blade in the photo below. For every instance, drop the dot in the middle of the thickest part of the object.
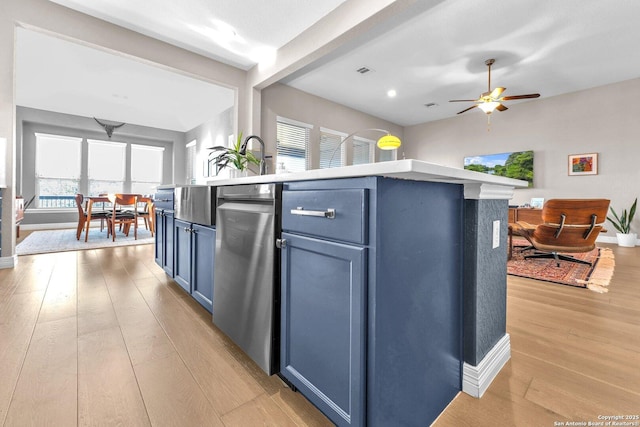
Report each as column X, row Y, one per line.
column 473, row 106
column 501, row 107
column 509, row 98
column 464, row 100
column 495, row 94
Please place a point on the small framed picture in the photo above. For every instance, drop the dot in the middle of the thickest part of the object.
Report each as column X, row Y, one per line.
column 537, row 202
column 583, row 164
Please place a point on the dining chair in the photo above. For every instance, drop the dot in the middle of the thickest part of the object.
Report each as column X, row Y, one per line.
column 124, row 213
column 82, row 215
column 569, row 225
column 147, row 213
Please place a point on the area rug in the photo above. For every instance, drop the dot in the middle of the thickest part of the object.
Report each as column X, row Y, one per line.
column 39, row 242
column 595, row 278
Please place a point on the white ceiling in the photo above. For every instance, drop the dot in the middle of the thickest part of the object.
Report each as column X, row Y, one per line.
column 549, row 47
column 55, row 75
column 541, row 46
column 238, row 33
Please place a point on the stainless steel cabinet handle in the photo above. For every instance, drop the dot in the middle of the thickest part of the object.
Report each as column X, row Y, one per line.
column 329, row 213
column 281, row 243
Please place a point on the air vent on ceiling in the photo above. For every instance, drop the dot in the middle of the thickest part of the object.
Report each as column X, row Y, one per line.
column 364, row 70
column 431, row 105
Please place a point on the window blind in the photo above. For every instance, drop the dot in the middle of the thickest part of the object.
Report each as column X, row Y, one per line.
column 146, row 168
column 58, row 156
column 292, row 146
column 363, row 151
column 106, row 160
column 329, row 142
column 387, row 155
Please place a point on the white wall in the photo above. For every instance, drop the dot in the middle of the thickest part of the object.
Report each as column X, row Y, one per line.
column 285, row 101
column 214, row 132
column 603, row 120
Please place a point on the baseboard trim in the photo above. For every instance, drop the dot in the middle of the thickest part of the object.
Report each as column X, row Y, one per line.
column 476, row 379
column 8, row 261
column 609, row 239
column 51, row 226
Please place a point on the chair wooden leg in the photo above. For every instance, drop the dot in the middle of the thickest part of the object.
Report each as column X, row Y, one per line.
column 86, row 231
column 79, row 231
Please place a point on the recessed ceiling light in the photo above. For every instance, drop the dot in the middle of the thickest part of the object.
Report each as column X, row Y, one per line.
column 391, row 93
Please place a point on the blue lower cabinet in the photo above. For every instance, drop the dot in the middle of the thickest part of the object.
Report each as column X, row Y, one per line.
column 204, row 243
column 371, row 318
column 182, row 249
column 164, row 240
column 323, row 325
column 194, row 255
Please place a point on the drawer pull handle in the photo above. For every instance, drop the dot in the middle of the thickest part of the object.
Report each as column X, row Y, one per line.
column 329, row 213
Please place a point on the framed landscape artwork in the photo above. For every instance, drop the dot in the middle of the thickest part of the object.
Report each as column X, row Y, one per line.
column 537, row 202
column 583, row 164
column 517, row 164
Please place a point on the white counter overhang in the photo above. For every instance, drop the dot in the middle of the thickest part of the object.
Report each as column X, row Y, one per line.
column 476, row 185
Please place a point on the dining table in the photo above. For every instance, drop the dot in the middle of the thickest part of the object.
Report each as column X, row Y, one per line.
column 104, row 198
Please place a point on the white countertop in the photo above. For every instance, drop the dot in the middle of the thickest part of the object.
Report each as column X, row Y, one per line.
column 477, row 185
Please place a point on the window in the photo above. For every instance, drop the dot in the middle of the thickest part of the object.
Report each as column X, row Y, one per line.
column 65, row 165
column 387, row 155
column 58, row 170
column 292, row 146
column 146, row 168
column 332, row 154
column 363, row 151
column 106, row 167
column 191, row 162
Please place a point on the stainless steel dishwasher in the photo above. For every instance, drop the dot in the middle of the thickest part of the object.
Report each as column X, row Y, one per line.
column 247, row 280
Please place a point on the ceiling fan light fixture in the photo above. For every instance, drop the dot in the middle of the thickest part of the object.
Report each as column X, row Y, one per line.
column 488, row 107
column 491, row 100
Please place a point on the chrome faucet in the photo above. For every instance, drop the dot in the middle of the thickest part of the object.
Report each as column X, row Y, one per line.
column 243, row 150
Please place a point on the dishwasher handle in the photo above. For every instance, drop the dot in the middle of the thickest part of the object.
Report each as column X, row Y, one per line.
column 329, row 213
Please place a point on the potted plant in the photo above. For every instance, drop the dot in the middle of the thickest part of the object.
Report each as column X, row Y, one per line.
column 622, row 223
column 231, row 157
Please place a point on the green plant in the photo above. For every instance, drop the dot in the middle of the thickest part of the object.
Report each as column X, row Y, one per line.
column 622, row 223
column 231, row 156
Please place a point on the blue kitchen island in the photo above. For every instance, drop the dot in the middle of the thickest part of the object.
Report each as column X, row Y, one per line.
column 392, row 292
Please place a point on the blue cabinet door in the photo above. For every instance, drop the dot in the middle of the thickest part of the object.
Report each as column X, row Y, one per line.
column 159, row 239
column 164, row 241
column 168, row 243
column 323, row 325
column 182, row 251
column 202, row 258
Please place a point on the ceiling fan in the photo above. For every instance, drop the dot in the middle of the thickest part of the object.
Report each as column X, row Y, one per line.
column 491, row 100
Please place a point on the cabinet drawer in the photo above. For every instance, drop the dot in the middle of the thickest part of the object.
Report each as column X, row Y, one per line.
column 333, row 214
column 163, row 199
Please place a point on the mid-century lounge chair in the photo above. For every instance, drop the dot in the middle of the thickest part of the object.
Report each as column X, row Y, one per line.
column 569, row 225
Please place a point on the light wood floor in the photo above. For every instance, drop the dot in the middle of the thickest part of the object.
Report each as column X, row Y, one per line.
column 575, row 354
column 103, row 337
